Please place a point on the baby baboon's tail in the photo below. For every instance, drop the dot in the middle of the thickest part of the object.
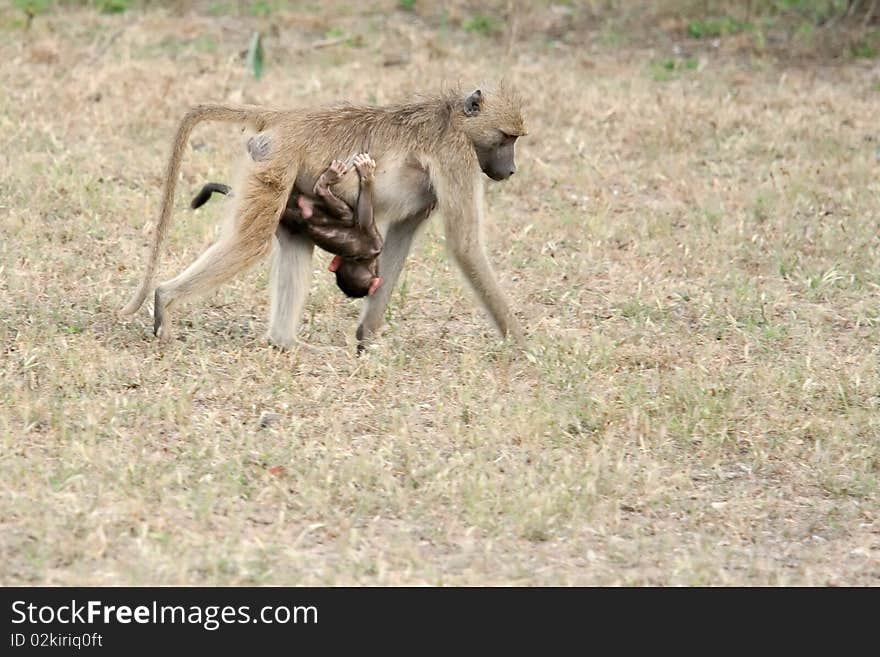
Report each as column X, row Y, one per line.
column 205, row 193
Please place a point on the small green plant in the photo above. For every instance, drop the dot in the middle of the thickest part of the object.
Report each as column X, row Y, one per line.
column 668, row 69
column 339, row 34
column 481, row 24
column 805, row 32
column 711, row 28
column 255, row 56
column 220, row 8
column 406, row 5
column 864, row 50
column 787, row 267
column 817, row 11
column 114, row 6
column 34, row 7
column 205, row 43
column 261, row 8
column 403, row 293
column 610, row 36
column 820, row 283
column 761, row 210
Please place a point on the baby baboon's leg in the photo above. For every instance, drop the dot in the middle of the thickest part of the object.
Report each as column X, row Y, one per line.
column 398, row 241
column 289, row 283
column 338, row 208
column 245, row 242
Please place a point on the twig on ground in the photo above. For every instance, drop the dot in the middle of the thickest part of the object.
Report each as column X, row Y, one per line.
column 323, row 43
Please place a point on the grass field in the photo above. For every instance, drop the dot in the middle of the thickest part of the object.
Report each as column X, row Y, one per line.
column 691, row 239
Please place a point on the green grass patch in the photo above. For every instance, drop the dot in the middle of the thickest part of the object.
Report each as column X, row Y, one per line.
column 34, row 7
column 114, row 6
column 482, row 24
column 868, row 47
column 664, row 70
column 262, row 8
column 221, row 8
column 719, row 26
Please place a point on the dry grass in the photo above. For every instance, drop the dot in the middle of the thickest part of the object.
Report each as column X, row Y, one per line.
column 695, row 248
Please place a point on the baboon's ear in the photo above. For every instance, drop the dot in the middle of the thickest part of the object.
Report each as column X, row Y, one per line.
column 473, row 103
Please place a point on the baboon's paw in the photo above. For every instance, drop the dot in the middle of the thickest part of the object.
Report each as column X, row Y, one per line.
column 281, row 342
column 365, row 347
column 290, row 344
column 161, row 324
column 365, row 165
column 166, row 335
column 366, row 338
column 158, row 313
column 336, row 171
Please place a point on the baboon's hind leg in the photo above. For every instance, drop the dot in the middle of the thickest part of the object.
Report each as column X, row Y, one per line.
column 246, row 240
column 289, row 283
column 221, row 262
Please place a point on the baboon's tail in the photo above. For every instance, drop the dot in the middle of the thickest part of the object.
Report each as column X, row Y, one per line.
column 205, row 194
column 257, row 117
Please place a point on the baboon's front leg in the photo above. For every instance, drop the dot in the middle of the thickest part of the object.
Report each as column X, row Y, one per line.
column 463, row 241
column 398, row 241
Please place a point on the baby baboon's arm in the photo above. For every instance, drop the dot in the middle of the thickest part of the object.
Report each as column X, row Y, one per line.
column 339, row 209
column 338, row 230
column 366, row 168
column 334, row 227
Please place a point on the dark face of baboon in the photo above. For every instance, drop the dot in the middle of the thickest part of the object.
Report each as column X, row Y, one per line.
column 493, row 124
column 498, row 162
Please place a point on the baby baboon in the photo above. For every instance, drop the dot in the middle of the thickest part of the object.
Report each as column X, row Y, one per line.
column 331, row 223
column 428, row 152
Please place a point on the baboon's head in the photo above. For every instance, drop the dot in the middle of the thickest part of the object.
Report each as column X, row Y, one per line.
column 493, row 122
column 356, row 278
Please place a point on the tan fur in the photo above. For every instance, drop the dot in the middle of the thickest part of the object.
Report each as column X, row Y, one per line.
column 425, row 156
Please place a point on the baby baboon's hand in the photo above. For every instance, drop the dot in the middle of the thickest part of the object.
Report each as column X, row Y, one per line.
column 366, row 167
column 335, row 172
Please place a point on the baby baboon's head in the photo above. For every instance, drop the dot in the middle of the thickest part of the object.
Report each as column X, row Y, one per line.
column 356, row 278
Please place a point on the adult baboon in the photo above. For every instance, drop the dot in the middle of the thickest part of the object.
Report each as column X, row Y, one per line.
column 332, row 224
column 428, row 152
